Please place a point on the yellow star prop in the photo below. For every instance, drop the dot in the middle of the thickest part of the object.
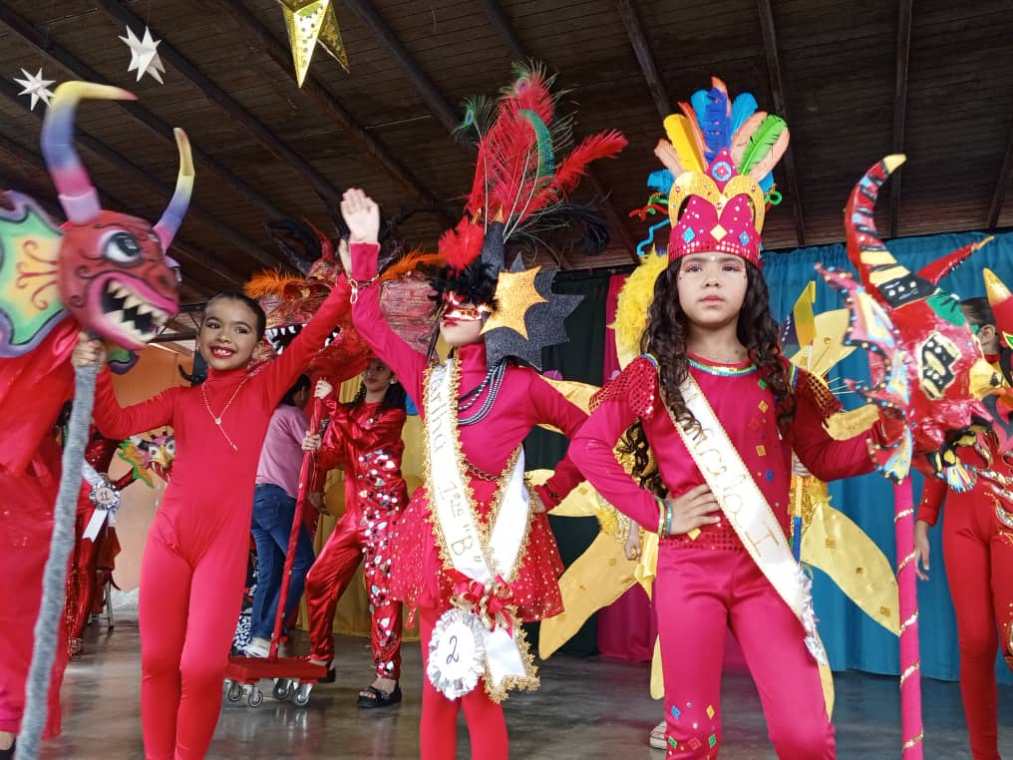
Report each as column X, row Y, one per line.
column 515, row 294
column 312, row 22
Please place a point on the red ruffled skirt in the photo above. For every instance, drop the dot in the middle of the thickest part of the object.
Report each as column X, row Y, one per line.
column 418, row 577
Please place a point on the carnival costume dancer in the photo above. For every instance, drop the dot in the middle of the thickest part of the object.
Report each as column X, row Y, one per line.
column 364, row 439
column 96, row 546
column 978, row 547
column 722, row 411
column 65, row 278
column 472, row 551
column 196, row 555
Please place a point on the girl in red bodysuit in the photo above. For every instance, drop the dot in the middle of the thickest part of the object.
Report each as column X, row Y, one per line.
column 503, row 405
column 364, row 439
column 195, row 558
column 978, row 552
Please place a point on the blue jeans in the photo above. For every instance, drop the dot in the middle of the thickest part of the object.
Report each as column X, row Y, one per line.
column 273, row 512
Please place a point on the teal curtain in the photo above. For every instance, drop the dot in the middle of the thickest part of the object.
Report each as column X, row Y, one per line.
column 579, row 359
column 852, row 639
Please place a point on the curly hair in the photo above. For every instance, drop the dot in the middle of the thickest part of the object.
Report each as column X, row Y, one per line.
column 665, row 339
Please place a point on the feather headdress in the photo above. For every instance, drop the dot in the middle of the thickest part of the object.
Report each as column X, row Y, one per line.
column 719, row 156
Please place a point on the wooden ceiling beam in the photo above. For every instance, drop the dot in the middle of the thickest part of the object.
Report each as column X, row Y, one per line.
column 437, row 103
column 1001, row 183
column 327, row 104
column 905, row 12
column 17, row 155
column 118, row 12
column 42, row 42
column 781, row 108
column 630, row 15
column 501, row 23
column 10, row 91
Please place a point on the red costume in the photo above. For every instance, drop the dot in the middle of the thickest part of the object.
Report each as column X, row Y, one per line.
column 978, row 551
column 418, row 577
column 195, row 558
column 29, row 474
column 93, row 559
column 365, row 441
column 706, row 585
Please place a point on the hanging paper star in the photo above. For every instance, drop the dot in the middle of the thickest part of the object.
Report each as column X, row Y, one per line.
column 309, row 23
column 144, row 57
column 37, row 87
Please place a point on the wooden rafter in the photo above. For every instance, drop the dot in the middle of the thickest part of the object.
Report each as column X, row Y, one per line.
column 117, row 11
column 781, row 107
column 1001, row 183
column 42, row 42
column 326, row 103
column 645, row 55
column 18, row 155
column 10, row 91
column 501, row 23
column 441, row 108
column 900, row 105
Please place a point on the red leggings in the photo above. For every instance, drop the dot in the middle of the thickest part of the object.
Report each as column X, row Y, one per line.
column 438, row 727
column 188, row 611
column 979, row 565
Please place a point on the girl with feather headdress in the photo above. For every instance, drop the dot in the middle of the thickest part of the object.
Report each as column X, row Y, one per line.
column 718, row 406
column 473, row 552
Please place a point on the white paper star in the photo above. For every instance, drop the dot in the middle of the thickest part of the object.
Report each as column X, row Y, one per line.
column 144, row 55
column 37, row 87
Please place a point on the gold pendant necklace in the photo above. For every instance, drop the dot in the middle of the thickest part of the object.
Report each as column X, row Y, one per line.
column 218, row 418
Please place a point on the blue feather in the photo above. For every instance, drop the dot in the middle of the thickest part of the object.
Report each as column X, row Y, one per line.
column 716, row 127
column 661, row 180
column 699, row 102
column 767, row 182
column 743, row 107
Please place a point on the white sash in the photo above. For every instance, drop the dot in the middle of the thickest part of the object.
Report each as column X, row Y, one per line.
column 746, row 509
column 488, row 556
column 105, row 498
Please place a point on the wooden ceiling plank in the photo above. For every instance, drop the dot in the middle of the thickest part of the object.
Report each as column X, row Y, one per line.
column 781, row 108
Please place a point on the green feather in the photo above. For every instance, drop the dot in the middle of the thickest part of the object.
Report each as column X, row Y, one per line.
column 543, row 138
column 761, row 142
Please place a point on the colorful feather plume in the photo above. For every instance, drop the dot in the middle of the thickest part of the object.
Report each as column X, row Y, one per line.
column 519, row 169
column 271, row 282
column 412, row 262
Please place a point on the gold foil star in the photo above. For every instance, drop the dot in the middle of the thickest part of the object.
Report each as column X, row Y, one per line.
column 515, row 294
column 309, row 23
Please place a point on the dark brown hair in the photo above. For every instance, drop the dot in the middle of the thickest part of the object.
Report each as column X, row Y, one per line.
column 665, row 339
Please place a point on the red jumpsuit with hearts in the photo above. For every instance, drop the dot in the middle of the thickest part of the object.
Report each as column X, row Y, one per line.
column 978, row 552
column 93, row 560
column 364, row 440
column 418, row 577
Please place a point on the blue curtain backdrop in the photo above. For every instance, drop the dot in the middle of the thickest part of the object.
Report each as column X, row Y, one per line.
column 852, row 639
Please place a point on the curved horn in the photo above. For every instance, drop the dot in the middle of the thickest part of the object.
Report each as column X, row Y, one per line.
column 173, row 215
column 77, row 195
column 891, row 283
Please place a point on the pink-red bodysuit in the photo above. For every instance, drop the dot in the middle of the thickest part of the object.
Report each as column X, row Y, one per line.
column 706, row 586
column 978, row 551
column 365, row 441
column 195, row 559
column 418, row 577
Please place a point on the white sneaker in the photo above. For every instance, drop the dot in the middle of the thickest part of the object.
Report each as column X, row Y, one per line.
column 258, row 648
column 657, row 740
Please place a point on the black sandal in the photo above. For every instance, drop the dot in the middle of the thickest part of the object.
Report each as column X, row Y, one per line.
column 8, row 754
column 371, row 697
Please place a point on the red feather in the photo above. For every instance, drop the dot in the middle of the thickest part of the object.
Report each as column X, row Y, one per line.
column 574, row 166
column 461, row 245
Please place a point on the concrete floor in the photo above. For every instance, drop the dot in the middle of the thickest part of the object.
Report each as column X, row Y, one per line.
column 586, row 709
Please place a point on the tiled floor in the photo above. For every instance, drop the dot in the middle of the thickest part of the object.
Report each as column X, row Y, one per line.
column 586, row 708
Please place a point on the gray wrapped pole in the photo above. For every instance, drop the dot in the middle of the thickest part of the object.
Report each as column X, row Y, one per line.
column 54, row 579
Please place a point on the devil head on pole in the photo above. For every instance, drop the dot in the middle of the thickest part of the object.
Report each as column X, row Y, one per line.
column 100, row 271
